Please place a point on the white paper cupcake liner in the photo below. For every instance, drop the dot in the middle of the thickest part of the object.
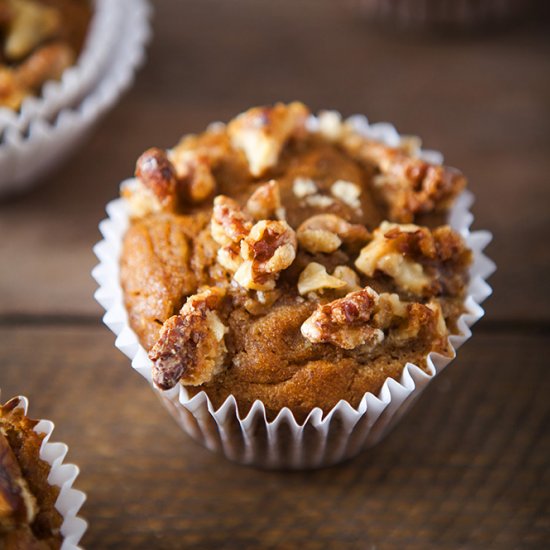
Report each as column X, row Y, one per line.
column 27, row 157
column 63, row 476
column 76, row 80
column 284, row 443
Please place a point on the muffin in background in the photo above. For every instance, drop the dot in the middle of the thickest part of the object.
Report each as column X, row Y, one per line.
column 38, row 41
column 33, row 509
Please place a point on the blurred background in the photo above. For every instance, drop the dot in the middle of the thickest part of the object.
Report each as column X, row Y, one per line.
column 468, row 466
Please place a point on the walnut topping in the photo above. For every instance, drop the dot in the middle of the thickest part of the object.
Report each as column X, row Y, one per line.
column 194, row 171
column 302, row 187
column 319, row 201
column 407, row 184
column 347, row 192
column 48, row 62
column 191, row 346
column 262, row 132
column 417, row 258
column 269, row 248
column 17, row 503
column 330, row 125
column 349, row 277
column 230, row 224
column 31, row 24
column 360, row 319
column 345, row 322
column 315, row 278
column 326, row 232
column 265, row 202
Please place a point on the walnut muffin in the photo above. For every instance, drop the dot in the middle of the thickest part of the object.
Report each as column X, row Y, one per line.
column 296, row 265
column 28, row 517
column 39, row 39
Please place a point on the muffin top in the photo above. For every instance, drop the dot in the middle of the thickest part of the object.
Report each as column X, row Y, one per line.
column 28, row 518
column 39, row 39
column 290, row 260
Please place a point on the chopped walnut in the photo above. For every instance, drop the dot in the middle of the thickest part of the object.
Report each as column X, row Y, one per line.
column 46, row 63
column 314, row 278
column 326, row 232
column 265, row 202
column 230, row 223
column 365, row 318
column 31, row 24
column 408, row 185
column 348, row 192
column 330, row 125
column 302, row 187
column 194, row 172
column 261, row 302
column 191, row 348
column 345, row 322
column 349, row 277
column 269, row 248
column 319, row 201
column 262, row 132
column 417, row 259
column 154, row 190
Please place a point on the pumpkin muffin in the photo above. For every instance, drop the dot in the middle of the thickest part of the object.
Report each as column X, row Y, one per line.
column 39, row 39
column 28, row 517
column 293, row 263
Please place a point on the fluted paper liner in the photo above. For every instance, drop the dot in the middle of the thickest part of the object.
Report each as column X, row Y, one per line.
column 37, row 143
column 69, row 500
column 282, row 442
column 76, row 80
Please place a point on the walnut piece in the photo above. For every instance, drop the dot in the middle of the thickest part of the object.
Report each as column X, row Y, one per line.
column 262, row 132
column 326, row 232
column 230, row 223
column 154, row 189
column 269, row 248
column 347, row 192
column 194, row 172
column 330, row 125
column 364, row 319
column 265, row 202
column 345, row 322
column 191, row 348
column 302, row 187
column 31, row 24
column 420, row 261
column 349, row 277
column 46, row 63
column 407, row 184
column 315, row 278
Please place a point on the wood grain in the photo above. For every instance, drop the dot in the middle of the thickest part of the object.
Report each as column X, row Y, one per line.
column 466, row 468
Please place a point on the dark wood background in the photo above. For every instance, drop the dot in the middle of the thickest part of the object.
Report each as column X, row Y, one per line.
column 469, row 466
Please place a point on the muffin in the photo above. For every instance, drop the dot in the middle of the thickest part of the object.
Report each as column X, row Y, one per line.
column 298, row 266
column 38, row 41
column 29, row 514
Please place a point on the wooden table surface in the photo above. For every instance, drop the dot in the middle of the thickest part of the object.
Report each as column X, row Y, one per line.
column 469, row 466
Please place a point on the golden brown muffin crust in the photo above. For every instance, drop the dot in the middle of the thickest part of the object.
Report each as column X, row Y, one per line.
column 323, row 291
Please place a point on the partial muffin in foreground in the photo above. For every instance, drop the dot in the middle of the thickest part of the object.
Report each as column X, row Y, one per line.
column 38, row 41
column 28, row 517
column 295, row 265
